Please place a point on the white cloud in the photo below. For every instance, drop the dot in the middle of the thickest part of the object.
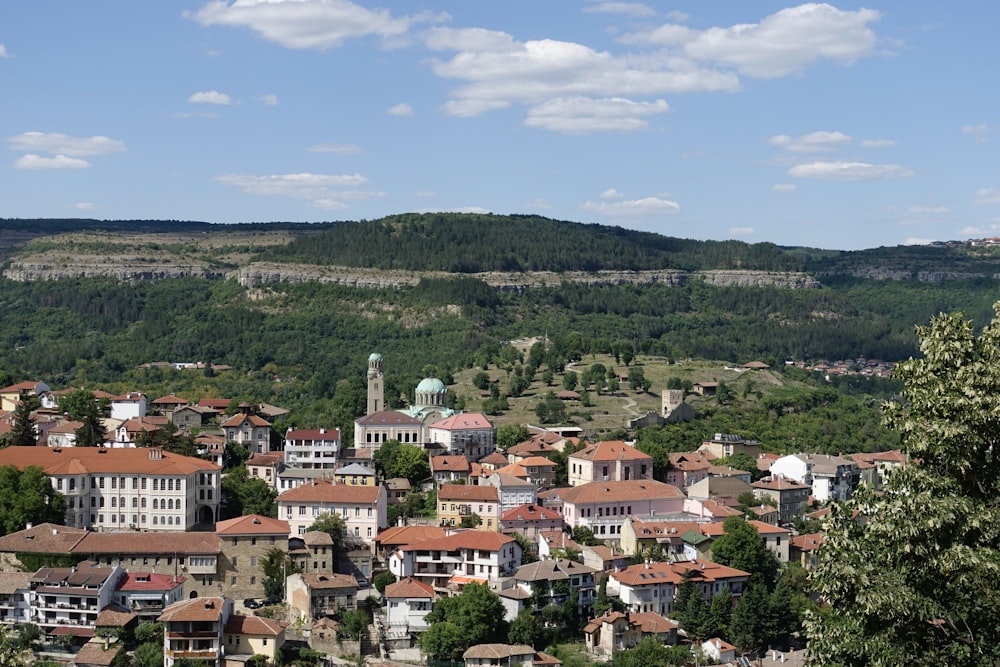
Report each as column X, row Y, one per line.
column 580, row 115
column 328, row 204
column 927, row 210
column 781, row 44
column 980, row 132
column 401, row 109
column 988, row 196
column 983, row 230
column 299, row 186
column 539, row 203
column 425, row 194
column 210, row 97
column 848, row 171
column 814, row 142
column 634, row 207
column 783, row 187
column 458, row 209
column 56, row 143
column 3, row 52
column 269, row 100
column 741, row 231
column 636, row 9
column 85, row 206
column 498, row 72
column 918, row 241
column 307, row 24
column 611, row 193
column 338, row 149
column 32, row 161
column 877, row 143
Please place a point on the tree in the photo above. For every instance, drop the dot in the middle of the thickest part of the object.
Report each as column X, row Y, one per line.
column 333, row 525
column 509, row 435
column 28, row 497
column 481, row 381
column 383, row 579
column 570, row 380
column 12, row 652
column 526, row 630
column 456, row 623
column 22, row 433
column 81, row 406
column 471, row 521
column 649, row 651
column 247, row 495
column 276, row 565
column 720, row 612
column 741, row 547
column 585, row 536
column 750, row 627
column 411, row 462
column 149, row 654
column 914, row 583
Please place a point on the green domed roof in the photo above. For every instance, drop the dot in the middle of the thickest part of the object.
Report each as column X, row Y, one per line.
column 374, row 356
column 431, row 386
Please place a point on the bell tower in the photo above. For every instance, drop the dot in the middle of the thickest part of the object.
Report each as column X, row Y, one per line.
column 376, row 384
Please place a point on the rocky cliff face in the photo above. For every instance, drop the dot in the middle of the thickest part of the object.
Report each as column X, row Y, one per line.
column 260, row 273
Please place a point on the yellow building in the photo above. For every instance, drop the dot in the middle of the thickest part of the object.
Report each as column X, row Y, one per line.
column 355, row 474
column 254, row 635
column 458, row 501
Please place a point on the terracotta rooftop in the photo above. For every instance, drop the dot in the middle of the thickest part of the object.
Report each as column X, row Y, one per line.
column 98, row 460
column 388, row 418
column 324, row 581
column 238, row 420
column 166, row 544
column 808, row 542
column 653, row 623
column 463, row 420
column 252, row 524
column 409, row 588
column 149, row 581
column 313, row 434
column 196, row 609
column 530, row 512
column 114, row 617
column 611, row 450
column 253, row 625
column 673, row 573
column 646, row 489
column 715, row 529
column 326, row 491
column 779, row 483
column 96, row 654
column 468, row 492
column 494, row 459
column 497, row 651
column 450, row 462
column 47, row 538
column 467, row 539
column 400, row 535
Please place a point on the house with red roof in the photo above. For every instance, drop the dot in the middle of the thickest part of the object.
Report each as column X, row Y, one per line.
column 602, row 506
column 653, row 586
column 803, row 549
column 538, row 470
column 458, row 501
column 408, row 602
column 363, row 508
column 789, row 496
column 147, row 594
column 248, row 636
column 128, row 405
column 249, row 430
column 470, row 434
column 529, row 520
column 11, row 397
column 775, row 538
column 608, row 461
column 449, row 468
column 448, row 563
column 195, row 630
column 687, row 468
column 244, row 543
column 312, row 448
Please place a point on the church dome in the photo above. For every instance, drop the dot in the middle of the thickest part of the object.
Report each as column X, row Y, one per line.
column 431, row 386
column 375, row 356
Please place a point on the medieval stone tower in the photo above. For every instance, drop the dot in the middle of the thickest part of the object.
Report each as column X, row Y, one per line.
column 376, row 384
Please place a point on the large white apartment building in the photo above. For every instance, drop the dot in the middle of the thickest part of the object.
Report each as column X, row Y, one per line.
column 126, row 489
column 315, row 448
column 363, row 508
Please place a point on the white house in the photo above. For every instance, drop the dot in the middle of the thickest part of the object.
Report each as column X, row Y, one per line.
column 409, row 601
column 832, row 478
column 128, row 406
column 470, row 434
column 608, row 461
column 601, row 506
column 312, row 448
column 448, row 563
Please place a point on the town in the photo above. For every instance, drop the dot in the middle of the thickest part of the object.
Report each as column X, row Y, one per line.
column 384, row 546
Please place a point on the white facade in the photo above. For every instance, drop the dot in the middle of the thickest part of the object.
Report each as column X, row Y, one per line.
column 468, row 556
column 469, row 434
column 408, row 602
column 363, row 508
column 832, row 478
column 312, row 448
column 128, row 406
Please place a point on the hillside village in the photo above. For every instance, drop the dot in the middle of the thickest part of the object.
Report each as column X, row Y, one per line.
column 344, row 560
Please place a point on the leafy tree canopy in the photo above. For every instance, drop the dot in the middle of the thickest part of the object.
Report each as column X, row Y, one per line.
column 916, row 583
column 741, row 546
column 28, row 497
column 474, row 617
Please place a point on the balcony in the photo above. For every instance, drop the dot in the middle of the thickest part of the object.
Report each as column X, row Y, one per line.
column 193, row 634
column 210, row 654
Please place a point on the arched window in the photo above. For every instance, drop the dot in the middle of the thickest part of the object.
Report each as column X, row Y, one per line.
column 156, row 506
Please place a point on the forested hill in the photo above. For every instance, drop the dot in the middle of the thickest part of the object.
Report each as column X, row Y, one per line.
column 474, row 243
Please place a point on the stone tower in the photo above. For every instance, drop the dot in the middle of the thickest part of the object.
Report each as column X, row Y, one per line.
column 376, row 384
column 672, row 399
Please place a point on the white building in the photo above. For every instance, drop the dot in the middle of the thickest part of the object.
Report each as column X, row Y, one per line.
column 448, row 563
column 363, row 508
column 653, row 586
column 249, row 430
column 371, row 431
column 470, row 434
column 608, row 461
column 126, row 489
column 72, row 596
column 131, row 405
column 832, row 478
column 409, row 601
column 316, row 448
column 602, row 506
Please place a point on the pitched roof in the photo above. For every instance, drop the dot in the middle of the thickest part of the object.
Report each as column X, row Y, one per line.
column 388, row 418
column 326, row 491
column 481, row 540
column 398, row 535
column 354, row 469
column 611, row 450
column 645, row 489
column 715, row 529
column 167, row 544
column 450, row 462
column 253, row 625
column 463, row 420
column 149, row 581
column 653, row 623
column 237, row 420
column 11, row 582
column 807, row 542
column 170, row 399
column 494, row 459
column 409, row 588
column 98, row 460
column 96, row 654
column 252, row 524
column 497, row 651
column 779, row 483
column 551, row 570
column 661, row 529
column 329, row 580
column 658, row 573
column 468, row 492
column 45, row 538
column 688, row 461
column 196, row 609
column 530, row 512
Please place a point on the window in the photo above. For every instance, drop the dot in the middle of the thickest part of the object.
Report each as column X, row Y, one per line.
column 59, row 484
column 114, row 482
column 135, row 502
column 253, row 561
column 253, row 541
column 235, row 540
column 114, row 502
column 143, row 483
column 100, row 482
column 232, row 581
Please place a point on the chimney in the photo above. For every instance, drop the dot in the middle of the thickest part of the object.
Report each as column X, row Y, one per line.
column 28, row 526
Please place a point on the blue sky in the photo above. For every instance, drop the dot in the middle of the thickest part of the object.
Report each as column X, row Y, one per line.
column 829, row 125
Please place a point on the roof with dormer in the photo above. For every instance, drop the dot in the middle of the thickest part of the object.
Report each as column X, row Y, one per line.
column 252, row 524
column 196, row 609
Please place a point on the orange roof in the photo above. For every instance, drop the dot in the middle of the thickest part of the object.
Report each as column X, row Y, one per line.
column 673, row 573
column 463, row 420
column 653, row 623
column 252, row 524
column 98, row 460
column 716, row 528
column 467, row 539
column 779, row 483
column 388, row 418
column 611, row 450
column 253, row 625
column 808, row 542
column 238, row 420
column 398, row 535
column 170, row 400
column 197, row 609
column 326, row 491
column 530, row 512
column 168, row 544
column 27, row 385
column 314, row 434
column 496, row 458
column 409, row 588
column 645, row 489
column 468, row 492
column 454, row 462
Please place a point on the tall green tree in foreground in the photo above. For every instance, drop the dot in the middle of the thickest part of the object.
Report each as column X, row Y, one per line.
column 917, row 583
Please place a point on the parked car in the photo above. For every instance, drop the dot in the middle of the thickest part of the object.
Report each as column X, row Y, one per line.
column 272, row 599
column 362, row 582
column 250, row 603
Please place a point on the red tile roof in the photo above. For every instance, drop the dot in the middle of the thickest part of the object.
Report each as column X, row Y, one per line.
column 97, row 460
column 252, row 524
column 715, row 529
column 611, row 450
column 468, row 492
column 388, row 418
column 530, row 512
column 149, row 581
column 196, row 609
column 646, row 489
column 658, row 573
column 481, row 540
column 409, row 588
column 463, row 420
column 449, row 462
column 326, row 491
column 239, row 419
column 166, row 544
column 253, row 625
column 399, row 535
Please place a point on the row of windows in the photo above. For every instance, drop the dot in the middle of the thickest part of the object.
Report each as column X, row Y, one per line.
column 119, row 519
column 344, row 511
